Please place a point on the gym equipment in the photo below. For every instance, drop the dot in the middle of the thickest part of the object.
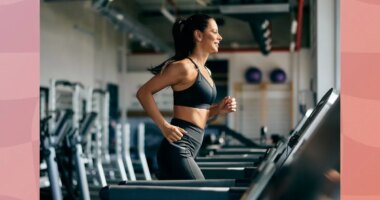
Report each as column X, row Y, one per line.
column 215, row 183
column 116, row 163
column 306, row 99
column 253, row 75
column 209, row 139
column 104, row 99
column 99, row 133
column 227, row 158
column 263, row 134
column 73, row 137
column 198, row 183
column 50, row 141
column 126, row 151
column 324, row 121
column 221, row 169
column 101, row 100
column 141, row 151
column 236, row 151
column 277, row 75
column 119, row 149
column 215, row 189
column 169, row 192
column 221, row 172
column 269, row 152
column 231, row 142
column 240, row 173
column 153, row 138
column 226, row 164
column 244, row 142
column 311, row 157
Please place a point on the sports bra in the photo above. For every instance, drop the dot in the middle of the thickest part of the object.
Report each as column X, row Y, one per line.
column 199, row 95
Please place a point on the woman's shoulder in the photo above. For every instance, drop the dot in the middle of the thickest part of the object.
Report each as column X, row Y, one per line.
column 183, row 66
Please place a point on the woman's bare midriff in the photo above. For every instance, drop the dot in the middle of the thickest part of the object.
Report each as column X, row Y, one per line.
column 196, row 116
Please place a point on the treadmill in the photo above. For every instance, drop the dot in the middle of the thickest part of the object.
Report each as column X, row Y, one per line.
column 303, row 174
column 246, row 169
column 268, row 151
column 317, row 125
column 241, row 172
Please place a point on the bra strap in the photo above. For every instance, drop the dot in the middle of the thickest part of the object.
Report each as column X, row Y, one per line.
column 193, row 62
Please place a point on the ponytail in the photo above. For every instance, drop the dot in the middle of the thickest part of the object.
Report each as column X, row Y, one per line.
column 184, row 43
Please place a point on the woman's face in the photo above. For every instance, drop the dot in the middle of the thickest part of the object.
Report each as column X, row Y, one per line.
column 210, row 37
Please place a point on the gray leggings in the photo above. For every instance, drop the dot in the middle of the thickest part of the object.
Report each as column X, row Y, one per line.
column 176, row 160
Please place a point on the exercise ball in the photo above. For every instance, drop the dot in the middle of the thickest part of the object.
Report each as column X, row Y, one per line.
column 278, row 75
column 253, row 75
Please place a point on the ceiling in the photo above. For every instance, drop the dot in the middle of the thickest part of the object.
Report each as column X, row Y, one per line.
column 148, row 22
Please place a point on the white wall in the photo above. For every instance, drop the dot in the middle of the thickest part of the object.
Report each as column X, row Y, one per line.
column 238, row 62
column 141, row 62
column 327, row 46
column 77, row 44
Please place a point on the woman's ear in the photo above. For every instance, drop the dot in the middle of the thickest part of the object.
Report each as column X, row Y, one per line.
column 198, row 35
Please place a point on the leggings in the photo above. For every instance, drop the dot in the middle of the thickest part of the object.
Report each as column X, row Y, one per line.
column 176, row 160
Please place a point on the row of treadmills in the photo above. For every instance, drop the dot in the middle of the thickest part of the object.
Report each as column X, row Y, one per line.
column 295, row 169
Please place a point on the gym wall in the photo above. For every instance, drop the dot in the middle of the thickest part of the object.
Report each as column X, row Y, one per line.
column 77, row 45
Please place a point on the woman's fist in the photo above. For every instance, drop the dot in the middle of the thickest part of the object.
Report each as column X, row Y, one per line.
column 227, row 105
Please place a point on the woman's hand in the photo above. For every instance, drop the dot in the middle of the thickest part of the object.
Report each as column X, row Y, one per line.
column 227, row 105
column 172, row 133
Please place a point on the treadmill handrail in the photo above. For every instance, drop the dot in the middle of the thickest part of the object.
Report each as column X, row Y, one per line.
column 62, row 127
column 235, row 134
column 87, row 123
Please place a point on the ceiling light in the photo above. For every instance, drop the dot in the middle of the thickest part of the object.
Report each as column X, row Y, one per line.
column 268, row 47
column 167, row 14
column 294, row 27
column 265, row 24
column 120, row 17
column 130, row 35
column 268, row 41
column 202, row 2
column 292, row 46
column 266, row 33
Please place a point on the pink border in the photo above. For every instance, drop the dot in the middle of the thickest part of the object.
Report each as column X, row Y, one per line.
column 19, row 81
column 19, row 113
column 360, row 58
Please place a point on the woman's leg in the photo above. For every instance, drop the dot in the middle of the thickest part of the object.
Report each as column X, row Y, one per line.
column 176, row 160
column 176, row 163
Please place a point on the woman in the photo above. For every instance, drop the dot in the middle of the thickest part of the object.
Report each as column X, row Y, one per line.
column 193, row 92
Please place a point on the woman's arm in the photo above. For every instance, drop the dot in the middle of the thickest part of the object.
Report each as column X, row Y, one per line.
column 172, row 75
column 214, row 110
column 146, row 99
column 226, row 105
